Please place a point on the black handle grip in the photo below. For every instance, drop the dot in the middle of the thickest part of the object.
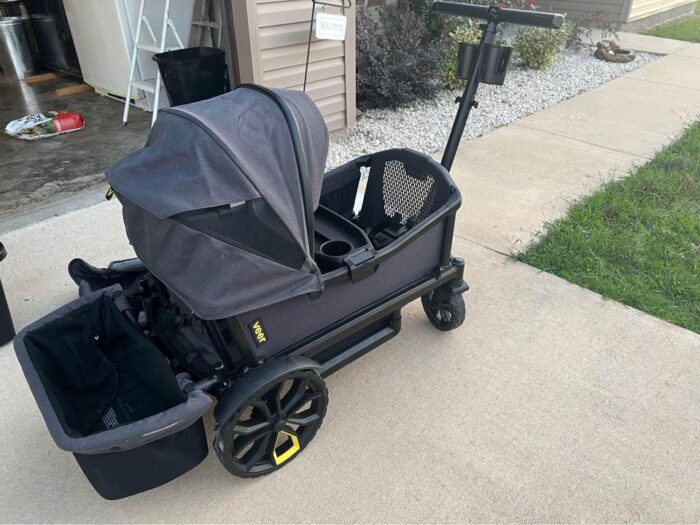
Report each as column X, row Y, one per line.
column 532, row 18
column 512, row 16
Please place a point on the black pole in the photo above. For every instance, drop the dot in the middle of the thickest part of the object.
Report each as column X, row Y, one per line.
column 308, row 45
column 466, row 101
column 346, row 4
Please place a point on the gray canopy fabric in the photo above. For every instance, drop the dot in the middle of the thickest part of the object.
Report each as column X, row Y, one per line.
column 214, row 203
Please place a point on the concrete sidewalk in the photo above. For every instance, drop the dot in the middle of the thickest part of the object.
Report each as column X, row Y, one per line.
column 521, row 176
column 550, row 404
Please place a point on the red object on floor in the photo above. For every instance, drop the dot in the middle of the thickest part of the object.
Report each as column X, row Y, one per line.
column 68, row 120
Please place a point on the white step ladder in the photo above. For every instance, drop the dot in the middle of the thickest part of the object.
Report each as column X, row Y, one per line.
column 201, row 22
column 152, row 85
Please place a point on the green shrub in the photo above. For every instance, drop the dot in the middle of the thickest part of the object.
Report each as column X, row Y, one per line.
column 468, row 33
column 439, row 26
column 538, row 47
column 397, row 60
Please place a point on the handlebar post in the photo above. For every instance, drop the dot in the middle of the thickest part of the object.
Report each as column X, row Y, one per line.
column 467, row 99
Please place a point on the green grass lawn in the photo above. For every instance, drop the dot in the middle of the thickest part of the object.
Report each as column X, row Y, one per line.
column 687, row 29
column 637, row 240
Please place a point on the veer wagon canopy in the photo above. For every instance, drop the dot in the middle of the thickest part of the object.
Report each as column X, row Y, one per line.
column 219, row 203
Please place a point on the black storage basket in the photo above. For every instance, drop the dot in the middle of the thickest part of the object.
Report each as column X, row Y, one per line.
column 107, row 394
column 116, row 475
column 494, row 65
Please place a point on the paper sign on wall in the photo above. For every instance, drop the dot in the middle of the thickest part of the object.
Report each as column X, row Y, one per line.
column 330, row 27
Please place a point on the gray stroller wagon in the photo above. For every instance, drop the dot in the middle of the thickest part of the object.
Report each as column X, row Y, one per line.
column 257, row 275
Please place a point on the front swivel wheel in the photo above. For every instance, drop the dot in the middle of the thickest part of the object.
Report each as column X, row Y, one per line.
column 445, row 312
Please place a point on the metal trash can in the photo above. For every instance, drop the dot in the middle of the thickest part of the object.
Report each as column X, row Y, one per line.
column 16, row 56
column 55, row 46
column 12, row 8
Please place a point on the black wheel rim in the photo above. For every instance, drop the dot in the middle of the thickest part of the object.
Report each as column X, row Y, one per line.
column 440, row 312
column 275, row 425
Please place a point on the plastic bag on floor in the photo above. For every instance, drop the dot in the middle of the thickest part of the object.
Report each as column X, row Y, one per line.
column 43, row 125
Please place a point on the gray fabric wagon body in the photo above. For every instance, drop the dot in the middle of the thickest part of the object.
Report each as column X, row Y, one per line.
column 214, row 204
column 228, row 206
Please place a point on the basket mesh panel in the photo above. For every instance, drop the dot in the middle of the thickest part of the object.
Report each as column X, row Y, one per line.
column 408, row 191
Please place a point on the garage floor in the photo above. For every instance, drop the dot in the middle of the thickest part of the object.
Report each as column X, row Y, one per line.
column 34, row 173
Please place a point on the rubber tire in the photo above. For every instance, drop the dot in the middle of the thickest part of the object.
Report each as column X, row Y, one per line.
column 222, row 427
column 454, row 305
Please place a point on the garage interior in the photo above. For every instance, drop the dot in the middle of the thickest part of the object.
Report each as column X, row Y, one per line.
column 76, row 56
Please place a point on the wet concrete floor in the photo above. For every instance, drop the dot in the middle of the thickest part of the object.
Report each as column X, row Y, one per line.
column 39, row 172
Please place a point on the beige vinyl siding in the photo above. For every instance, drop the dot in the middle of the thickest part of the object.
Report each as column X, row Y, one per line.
column 619, row 10
column 281, row 57
column 575, row 8
column 644, row 8
column 277, row 32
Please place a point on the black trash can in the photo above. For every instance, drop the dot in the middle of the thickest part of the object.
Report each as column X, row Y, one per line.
column 7, row 329
column 193, row 74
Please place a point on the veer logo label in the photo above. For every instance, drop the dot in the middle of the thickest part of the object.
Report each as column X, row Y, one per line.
column 256, row 328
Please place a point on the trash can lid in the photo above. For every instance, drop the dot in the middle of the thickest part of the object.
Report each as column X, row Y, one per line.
column 11, row 20
column 189, row 54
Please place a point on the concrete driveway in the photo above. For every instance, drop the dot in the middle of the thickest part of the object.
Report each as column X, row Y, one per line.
column 550, row 404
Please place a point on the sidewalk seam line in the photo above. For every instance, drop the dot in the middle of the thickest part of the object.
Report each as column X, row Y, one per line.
column 485, row 247
column 659, row 81
column 682, row 45
column 582, row 141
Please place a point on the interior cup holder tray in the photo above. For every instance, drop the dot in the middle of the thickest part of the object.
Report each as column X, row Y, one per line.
column 338, row 242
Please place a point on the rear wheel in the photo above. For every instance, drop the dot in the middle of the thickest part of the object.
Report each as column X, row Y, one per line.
column 273, row 425
column 446, row 312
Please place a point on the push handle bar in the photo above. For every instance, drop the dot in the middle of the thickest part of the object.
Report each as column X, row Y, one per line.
column 512, row 16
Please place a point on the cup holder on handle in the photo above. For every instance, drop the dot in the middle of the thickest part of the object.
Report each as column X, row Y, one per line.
column 494, row 64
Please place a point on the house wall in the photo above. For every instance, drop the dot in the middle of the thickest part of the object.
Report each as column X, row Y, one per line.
column 574, row 8
column 646, row 8
column 271, row 40
column 624, row 12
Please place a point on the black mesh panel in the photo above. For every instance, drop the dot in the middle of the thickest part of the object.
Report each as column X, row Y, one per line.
column 403, row 189
column 408, row 192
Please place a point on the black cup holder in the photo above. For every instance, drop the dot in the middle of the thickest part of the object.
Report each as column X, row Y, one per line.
column 335, row 248
column 493, row 66
column 331, row 254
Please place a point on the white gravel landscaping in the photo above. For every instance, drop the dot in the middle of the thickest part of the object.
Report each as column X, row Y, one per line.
column 425, row 125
